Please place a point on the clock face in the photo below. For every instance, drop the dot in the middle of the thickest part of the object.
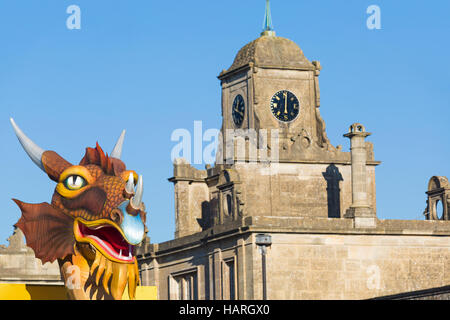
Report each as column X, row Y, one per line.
column 238, row 110
column 285, row 106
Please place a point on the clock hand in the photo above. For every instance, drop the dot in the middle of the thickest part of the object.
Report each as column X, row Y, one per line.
column 239, row 112
column 285, row 102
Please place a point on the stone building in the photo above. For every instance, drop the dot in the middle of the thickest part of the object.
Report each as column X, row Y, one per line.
column 18, row 265
column 284, row 214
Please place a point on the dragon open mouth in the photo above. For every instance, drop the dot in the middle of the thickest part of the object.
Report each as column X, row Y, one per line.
column 106, row 238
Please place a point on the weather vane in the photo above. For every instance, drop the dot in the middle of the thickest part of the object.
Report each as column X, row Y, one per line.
column 268, row 27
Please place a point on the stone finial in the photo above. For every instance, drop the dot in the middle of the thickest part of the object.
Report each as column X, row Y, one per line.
column 357, row 129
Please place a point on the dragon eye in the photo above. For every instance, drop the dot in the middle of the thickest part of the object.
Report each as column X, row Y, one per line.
column 74, row 182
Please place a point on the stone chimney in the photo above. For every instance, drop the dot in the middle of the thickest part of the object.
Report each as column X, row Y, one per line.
column 360, row 211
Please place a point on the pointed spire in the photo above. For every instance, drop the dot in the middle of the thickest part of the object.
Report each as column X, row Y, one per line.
column 268, row 27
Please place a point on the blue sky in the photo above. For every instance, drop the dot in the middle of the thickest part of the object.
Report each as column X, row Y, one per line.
column 150, row 67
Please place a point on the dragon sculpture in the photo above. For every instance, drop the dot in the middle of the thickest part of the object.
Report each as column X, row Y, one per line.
column 95, row 220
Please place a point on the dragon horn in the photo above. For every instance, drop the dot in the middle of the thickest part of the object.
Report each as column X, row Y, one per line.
column 117, row 151
column 33, row 150
column 137, row 199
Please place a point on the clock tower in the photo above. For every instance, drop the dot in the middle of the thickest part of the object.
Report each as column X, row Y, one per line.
column 282, row 166
column 272, row 85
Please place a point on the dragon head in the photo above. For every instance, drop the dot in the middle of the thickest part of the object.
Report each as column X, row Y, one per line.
column 95, row 219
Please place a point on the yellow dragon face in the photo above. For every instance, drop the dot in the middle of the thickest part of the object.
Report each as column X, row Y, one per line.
column 95, row 219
